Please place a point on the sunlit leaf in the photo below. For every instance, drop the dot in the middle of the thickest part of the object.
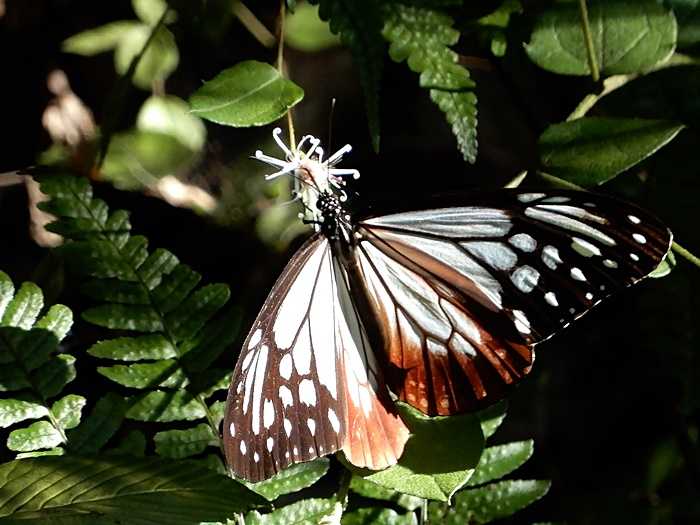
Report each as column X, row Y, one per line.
column 157, row 63
column 99, row 39
column 304, row 30
column 291, row 479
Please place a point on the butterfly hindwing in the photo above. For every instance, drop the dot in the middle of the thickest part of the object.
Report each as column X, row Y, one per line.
column 461, row 294
column 306, row 375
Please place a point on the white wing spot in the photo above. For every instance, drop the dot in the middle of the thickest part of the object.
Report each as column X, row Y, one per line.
column 550, row 257
column 286, row 396
column 523, row 242
column 577, row 274
column 610, row 263
column 551, row 298
column 302, row 353
column 255, row 338
column 232, row 429
column 572, row 310
column 634, row 219
column 634, row 256
column 312, row 426
column 311, row 450
column 286, row 454
column 270, row 444
column 525, row 278
column 295, row 451
column 242, row 448
column 492, row 253
column 288, row 427
column 334, row 420
column 585, row 248
column 589, row 296
column 260, row 375
column 639, row 238
column 529, row 197
column 268, row 413
column 239, row 387
column 556, row 200
column 436, row 348
column 286, row 366
column 521, row 322
column 307, row 392
column 246, row 361
column 256, row 457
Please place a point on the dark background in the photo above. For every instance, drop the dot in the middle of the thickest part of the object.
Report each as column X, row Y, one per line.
column 611, row 402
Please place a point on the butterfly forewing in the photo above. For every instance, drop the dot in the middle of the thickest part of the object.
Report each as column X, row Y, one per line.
column 461, row 294
column 307, row 383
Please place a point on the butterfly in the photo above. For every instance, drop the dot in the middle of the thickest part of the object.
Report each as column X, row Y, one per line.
column 438, row 304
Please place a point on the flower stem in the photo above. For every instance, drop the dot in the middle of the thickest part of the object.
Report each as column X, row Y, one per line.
column 588, row 38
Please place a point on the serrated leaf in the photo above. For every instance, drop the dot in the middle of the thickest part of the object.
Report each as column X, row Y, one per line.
column 377, row 516
column 134, row 348
column 590, row 151
column 492, row 417
column 22, row 311
column 422, row 37
column 139, row 318
column 134, row 444
column 159, row 263
column 51, row 377
column 99, row 426
column 359, row 24
column 499, row 461
column 165, row 406
column 175, row 287
column 189, row 318
column 58, row 451
column 58, row 320
column 210, row 342
column 440, row 456
column 68, row 410
column 217, row 410
column 165, row 373
column 40, row 434
column 7, row 292
column 491, row 502
column 210, row 381
column 291, row 479
column 15, row 410
column 115, row 291
column 628, row 37
column 371, row 490
column 248, row 94
column 98, row 39
column 310, row 511
column 158, row 61
column 171, row 115
column 178, row 444
column 153, row 490
column 27, row 348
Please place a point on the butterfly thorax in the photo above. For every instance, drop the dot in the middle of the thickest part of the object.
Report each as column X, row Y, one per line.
column 334, row 220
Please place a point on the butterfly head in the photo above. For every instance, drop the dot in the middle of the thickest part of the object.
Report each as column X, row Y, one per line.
column 313, row 175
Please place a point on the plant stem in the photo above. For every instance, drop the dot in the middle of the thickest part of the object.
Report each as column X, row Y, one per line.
column 254, row 26
column 687, row 255
column 610, row 84
column 280, row 68
column 588, row 38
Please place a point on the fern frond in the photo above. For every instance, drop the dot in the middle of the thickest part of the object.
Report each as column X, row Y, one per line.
column 174, row 333
column 359, row 24
column 33, row 372
column 422, row 37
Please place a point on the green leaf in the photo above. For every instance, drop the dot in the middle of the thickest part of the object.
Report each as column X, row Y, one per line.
column 178, row 444
column 99, row 39
column 175, row 287
column 628, row 37
column 150, row 11
column 27, row 349
column 58, row 320
column 292, row 479
column 157, row 63
column 306, row 512
column 210, row 381
column 422, row 37
column 134, row 348
column 248, row 94
column 491, row 502
column 378, row 516
column 125, row 317
column 217, row 410
column 7, row 292
column 688, row 17
column 68, row 410
column 58, row 451
column 440, row 456
column 210, row 342
column 304, row 30
column 590, row 151
column 97, row 428
column 165, row 406
column 171, row 115
column 492, row 417
column 359, row 24
column 151, row 490
column 22, row 311
column 189, row 318
column 371, row 490
column 15, row 410
column 665, row 267
column 165, row 373
column 492, row 26
column 499, row 461
column 134, row 444
column 40, row 434
column 52, row 377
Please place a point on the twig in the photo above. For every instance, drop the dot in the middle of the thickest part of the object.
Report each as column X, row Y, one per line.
column 254, row 26
column 280, row 68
